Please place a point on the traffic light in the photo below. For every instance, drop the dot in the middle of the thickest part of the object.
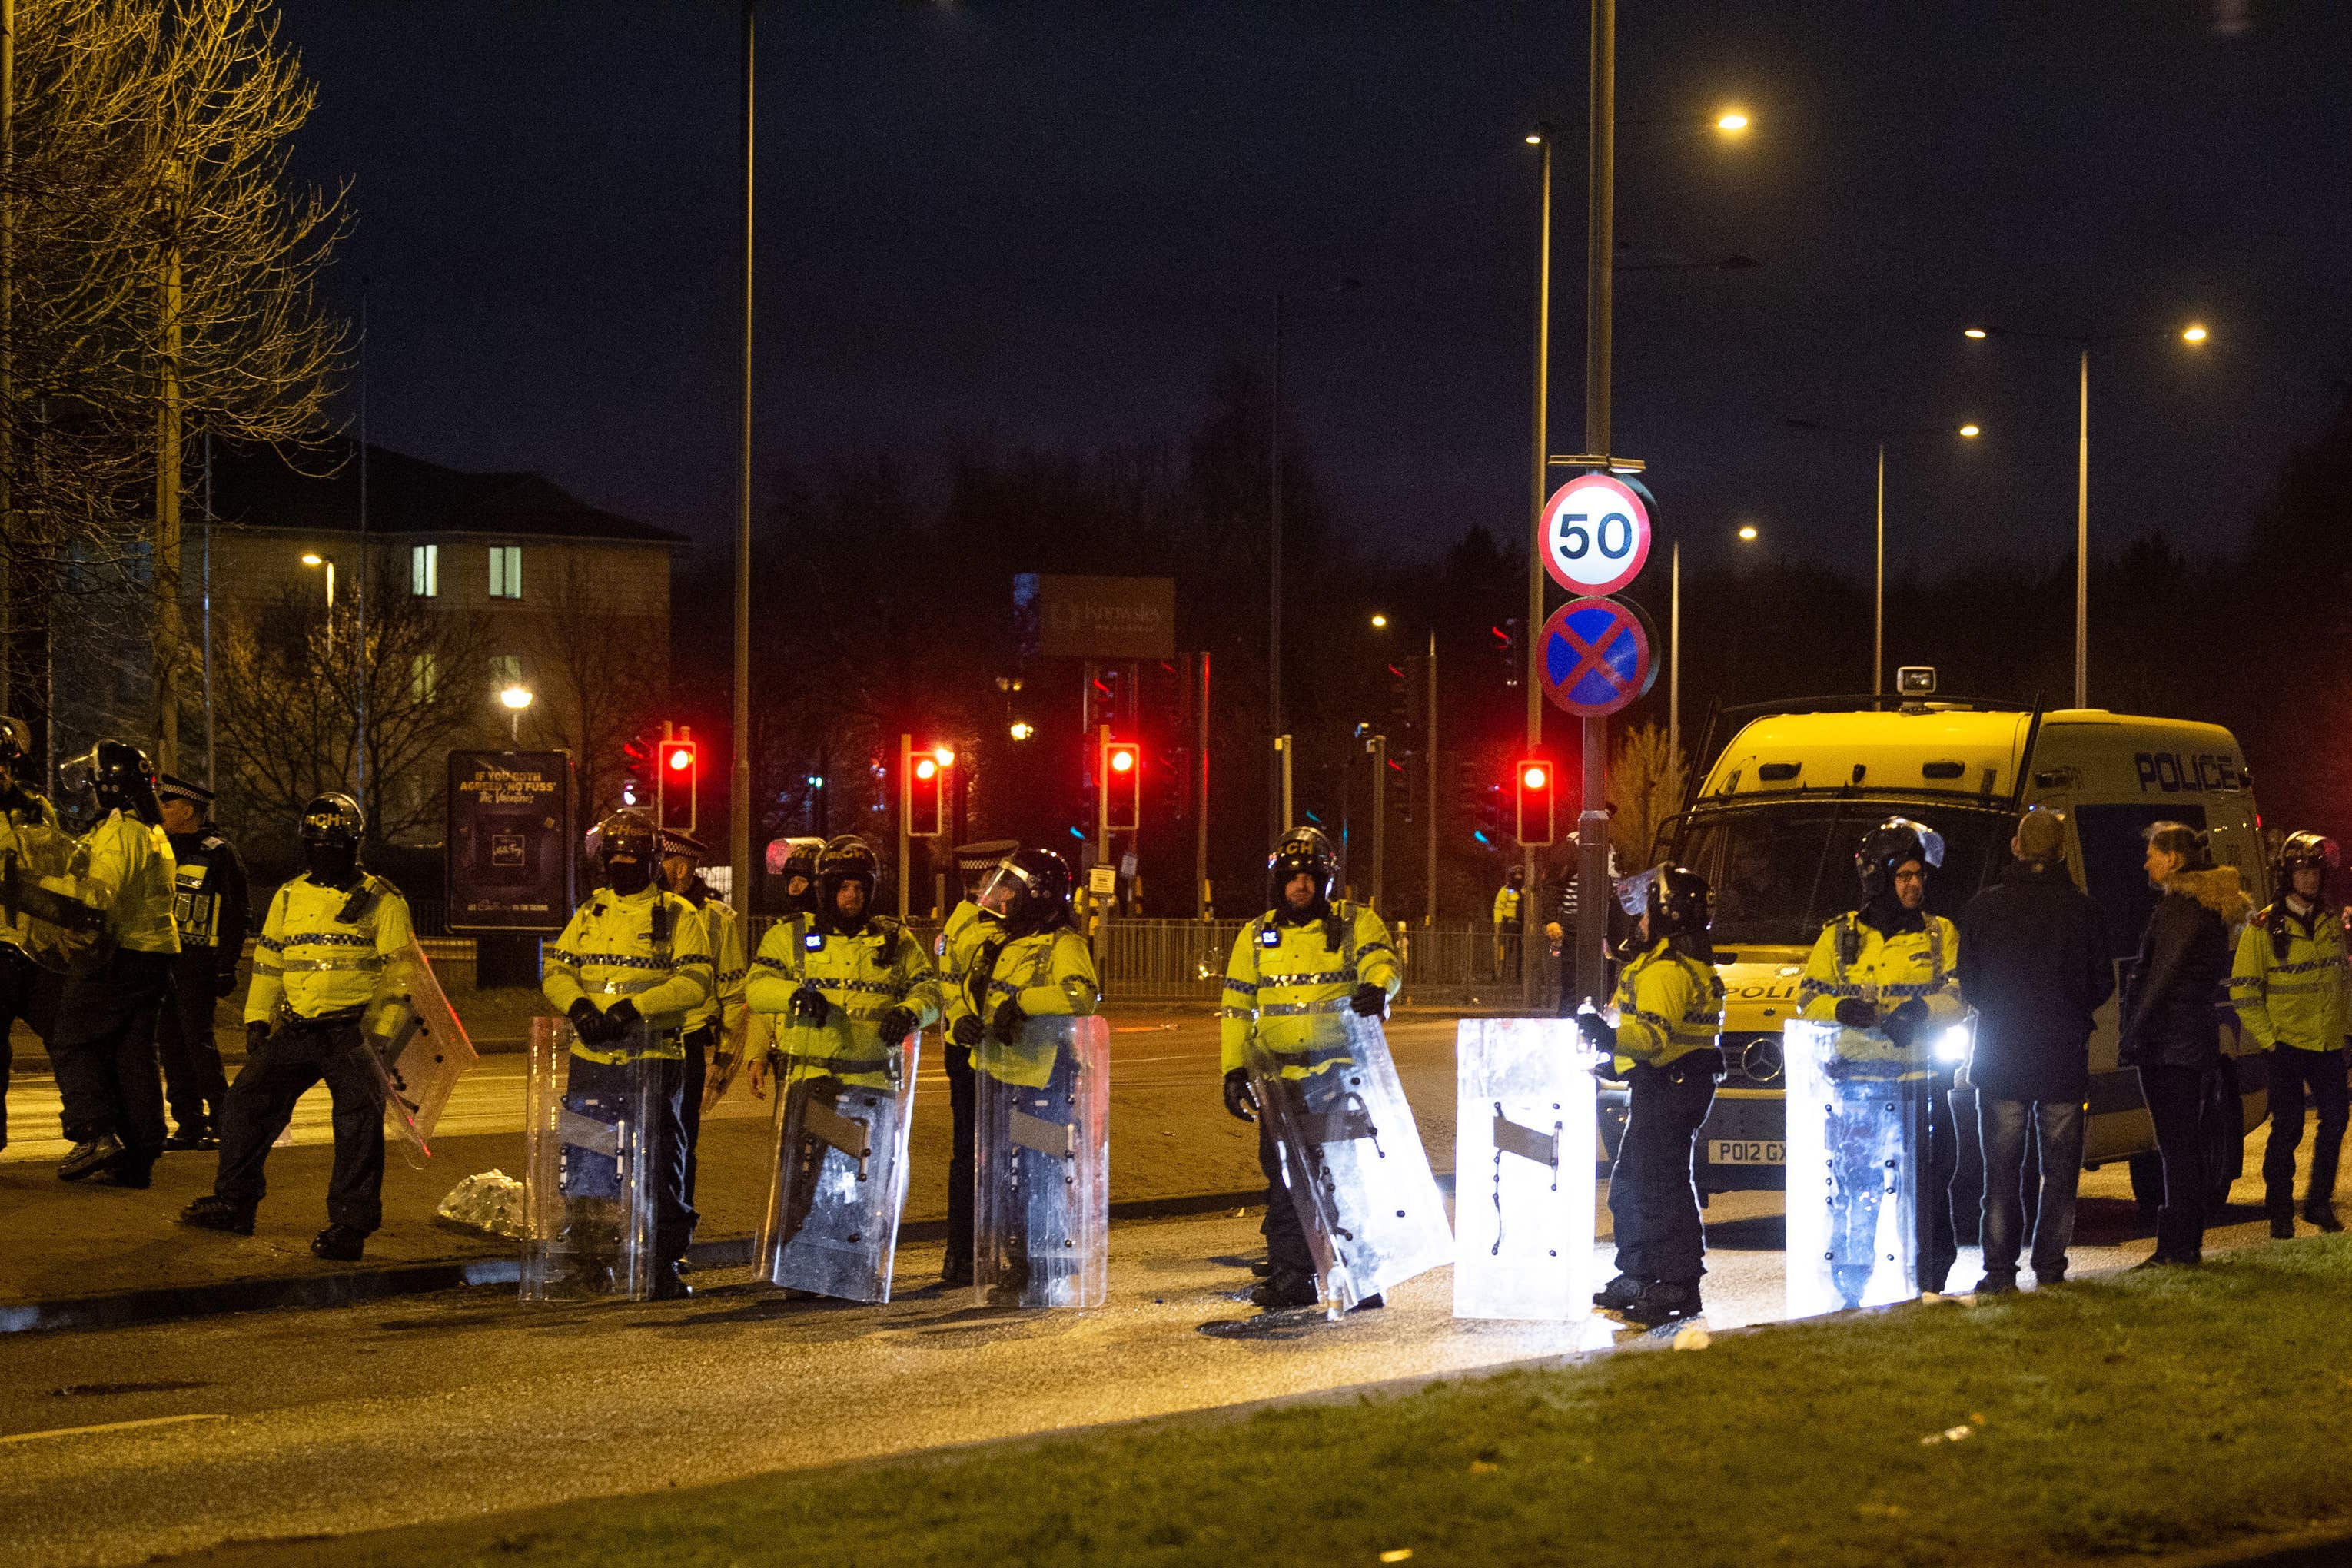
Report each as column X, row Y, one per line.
column 1536, row 780
column 680, row 779
column 1121, row 775
column 1508, row 649
column 639, row 770
column 923, row 775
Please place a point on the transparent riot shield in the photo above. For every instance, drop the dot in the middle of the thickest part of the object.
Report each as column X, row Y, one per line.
column 1523, row 1169
column 1353, row 1161
column 589, row 1132
column 1854, row 1144
column 842, row 1122
column 57, row 914
column 1041, row 1164
column 418, row 1047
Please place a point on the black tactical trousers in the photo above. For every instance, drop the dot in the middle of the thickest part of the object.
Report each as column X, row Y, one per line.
column 1939, row 1162
column 104, row 1053
column 1653, row 1200
column 297, row 1055
column 27, row 992
column 2292, row 1072
column 960, row 1098
column 674, row 1216
column 195, row 1083
column 2175, row 1099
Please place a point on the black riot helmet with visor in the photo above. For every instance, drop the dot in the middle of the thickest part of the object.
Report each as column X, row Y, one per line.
column 800, row 866
column 1678, row 904
column 847, row 858
column 2306, row 852
column 115, row 775
column 1888, row 847
column 332, row 826
column 1028, row 892
column 627, row 846
column 1303, row 851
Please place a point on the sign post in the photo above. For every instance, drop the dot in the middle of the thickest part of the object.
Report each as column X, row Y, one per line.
column 513, row 849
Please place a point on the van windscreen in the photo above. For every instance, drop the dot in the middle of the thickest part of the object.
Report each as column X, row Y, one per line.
column 2115, row 864
column 1782, row 870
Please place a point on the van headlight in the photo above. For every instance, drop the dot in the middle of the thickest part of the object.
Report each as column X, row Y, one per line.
column 1952, row 1046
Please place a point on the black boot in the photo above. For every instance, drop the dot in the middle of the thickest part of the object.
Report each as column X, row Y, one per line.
column 340, row 1244
column 193, row 1135
column 1283, row 1290
column 2282, row 1226
column 2321, row 1212
column 667, row 1286
column 212, row 1212
column 1618, row 1294
column 88, row 1159
column 1664, row 1302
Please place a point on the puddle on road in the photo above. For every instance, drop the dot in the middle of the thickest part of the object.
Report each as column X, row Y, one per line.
column 88, row 1390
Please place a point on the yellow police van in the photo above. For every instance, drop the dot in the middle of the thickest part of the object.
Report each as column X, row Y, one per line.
column 1773, row 823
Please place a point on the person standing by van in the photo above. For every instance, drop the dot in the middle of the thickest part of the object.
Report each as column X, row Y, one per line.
column 2171, row 1031
column 2291, row 988
column 2035, row 966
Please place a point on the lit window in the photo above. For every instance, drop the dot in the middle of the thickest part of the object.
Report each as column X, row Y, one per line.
column 506, row 670
column 506, row 571
column 424, row 677
column 425, row 571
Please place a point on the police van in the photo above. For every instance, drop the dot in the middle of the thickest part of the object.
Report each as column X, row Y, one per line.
column 1773, row 823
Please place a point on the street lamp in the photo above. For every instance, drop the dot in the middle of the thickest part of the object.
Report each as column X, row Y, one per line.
column 1882, row 434
column 313, row 558
column 517, row 699
column 2193, row 333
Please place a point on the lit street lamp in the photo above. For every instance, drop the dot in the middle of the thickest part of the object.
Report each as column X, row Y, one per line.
column 2194, row 334
column 313, row 558
column 517, row 700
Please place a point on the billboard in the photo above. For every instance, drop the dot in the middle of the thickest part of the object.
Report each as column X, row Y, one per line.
column 1095, row 617
column 511, row 845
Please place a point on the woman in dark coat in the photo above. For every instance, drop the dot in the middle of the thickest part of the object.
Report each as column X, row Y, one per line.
column 2172, row 1031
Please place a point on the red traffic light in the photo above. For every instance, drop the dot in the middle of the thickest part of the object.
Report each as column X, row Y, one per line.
column 1121, row 781
column 927, row 767
column 1122, row 759
column 1534, row 776
column 923, row 777
column 681, row 759
column 1535, row 798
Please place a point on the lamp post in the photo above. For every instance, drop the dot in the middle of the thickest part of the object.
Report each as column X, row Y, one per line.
column 2192, row 334
column 738, row 793
column 313, row 558
column 517, row 700
column 1882, row 434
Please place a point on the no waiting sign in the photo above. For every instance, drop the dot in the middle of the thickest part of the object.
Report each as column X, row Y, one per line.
column 1596, row 657
column 1596, row 534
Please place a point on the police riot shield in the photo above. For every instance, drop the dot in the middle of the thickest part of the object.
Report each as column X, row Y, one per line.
column 1041, row 1164
column 418, row 1047
column 589, row 1132
column 1524, row 1158
column 840, row 1179
column 1854, row 1147
column 57, row 914
column 1353, row 1161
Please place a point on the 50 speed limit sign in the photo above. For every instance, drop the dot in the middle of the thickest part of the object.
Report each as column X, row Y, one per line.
column 1596, row 534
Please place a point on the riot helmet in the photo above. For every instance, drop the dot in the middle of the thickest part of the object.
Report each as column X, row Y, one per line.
column 1303, row 851
column 1890, row 846
column 845, row 859
column 628, row 844
column 1680, row 903
column 332, row 826
column 1028, row 892
column 16, row 745
column 116, row 776
column 2306, row 852
column 800, row 867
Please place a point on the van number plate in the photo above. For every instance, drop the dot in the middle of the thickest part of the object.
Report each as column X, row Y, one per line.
column 1745, row 1151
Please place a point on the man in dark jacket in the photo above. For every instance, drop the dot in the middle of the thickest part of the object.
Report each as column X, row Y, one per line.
column 209, row 907
column 2035, row 965
column 2171, row 1029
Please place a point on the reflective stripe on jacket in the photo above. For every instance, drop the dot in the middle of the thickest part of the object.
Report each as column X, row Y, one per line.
column 1890, row 970
column 1668, row 1006
column 2300, row 1000
column 863, row 976
column 313, row 959
column 1283, row 974
column 1049, row 974
column 132, row 861
column 729, row 972
column 616, row 947
column 970, row 930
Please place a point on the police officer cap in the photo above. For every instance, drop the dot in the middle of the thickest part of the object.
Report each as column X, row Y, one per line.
column 673, row 841
column 172, row 786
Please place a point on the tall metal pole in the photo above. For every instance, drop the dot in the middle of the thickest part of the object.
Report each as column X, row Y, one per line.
column 1593, row 825
column 364, row 670
column 2083, row 541
column 8, row 352
column 1533, row 626
column 1200, row 795
column 212, row 771
column 1675, row 659
column 1879, row 601
column 167, row 502
column 739, row 802
column 1379, row 748
column 1429, row 811
column 1279, row 794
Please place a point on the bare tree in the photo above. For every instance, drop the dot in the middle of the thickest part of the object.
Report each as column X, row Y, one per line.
column 1645, row 779
column 602, row 676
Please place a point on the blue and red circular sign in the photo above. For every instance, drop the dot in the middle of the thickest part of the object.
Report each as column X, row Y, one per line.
column 1595, row 657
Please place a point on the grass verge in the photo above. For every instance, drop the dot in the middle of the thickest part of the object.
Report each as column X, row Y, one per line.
column 2152, row 1413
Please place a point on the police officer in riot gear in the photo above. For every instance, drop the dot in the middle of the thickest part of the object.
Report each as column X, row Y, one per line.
column 636, row 953
column 2293, row 997
column 971, row 933
column 1306, row 954
column 105, row 1045
column 28, row 989
column 1888, row 973
column 799, row 881
column 714, row 1027
column 1669, row 1006
column 317, row 963
column 210, row 906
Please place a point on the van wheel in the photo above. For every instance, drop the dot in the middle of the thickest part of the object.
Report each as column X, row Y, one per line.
column 2148, row 1182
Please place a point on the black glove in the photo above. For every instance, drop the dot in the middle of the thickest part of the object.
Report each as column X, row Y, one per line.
column 1009, row 1019
column 897, row 1024
column 255, row 1034
column 1368, row 1001
column 621, row 1018
column 809, row 1006
column 969, row 1031
column 1905, row 1021
column 1239, row 1102
column 587, row 1022
column 1596, row 1033
column 1856, row 1014
column 224, row 981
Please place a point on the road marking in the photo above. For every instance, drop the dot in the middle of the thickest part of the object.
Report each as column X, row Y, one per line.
column 105, row 1426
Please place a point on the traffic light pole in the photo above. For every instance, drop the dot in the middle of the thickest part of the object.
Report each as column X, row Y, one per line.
column 1429, row 811
column 1593, row 890
column 1379, row 747
column 906, row 774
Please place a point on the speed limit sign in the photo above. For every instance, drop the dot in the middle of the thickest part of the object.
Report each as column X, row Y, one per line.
column 1596, row 534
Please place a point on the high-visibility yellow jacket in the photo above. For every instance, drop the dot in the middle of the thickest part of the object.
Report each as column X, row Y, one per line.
column 969, row 929
column 2303, row 1000
column 650, row 947
column 1668, row 1006
column 324, row 950
column 1285, row 984
column 1050, row 973
column 19, row 824
column 863, row 976
column 1507, row 905
column 725, row 1007
column 131, row 861
column 1852, row 960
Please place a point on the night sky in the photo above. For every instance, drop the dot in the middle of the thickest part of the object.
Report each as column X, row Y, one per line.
column 1043, row 225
